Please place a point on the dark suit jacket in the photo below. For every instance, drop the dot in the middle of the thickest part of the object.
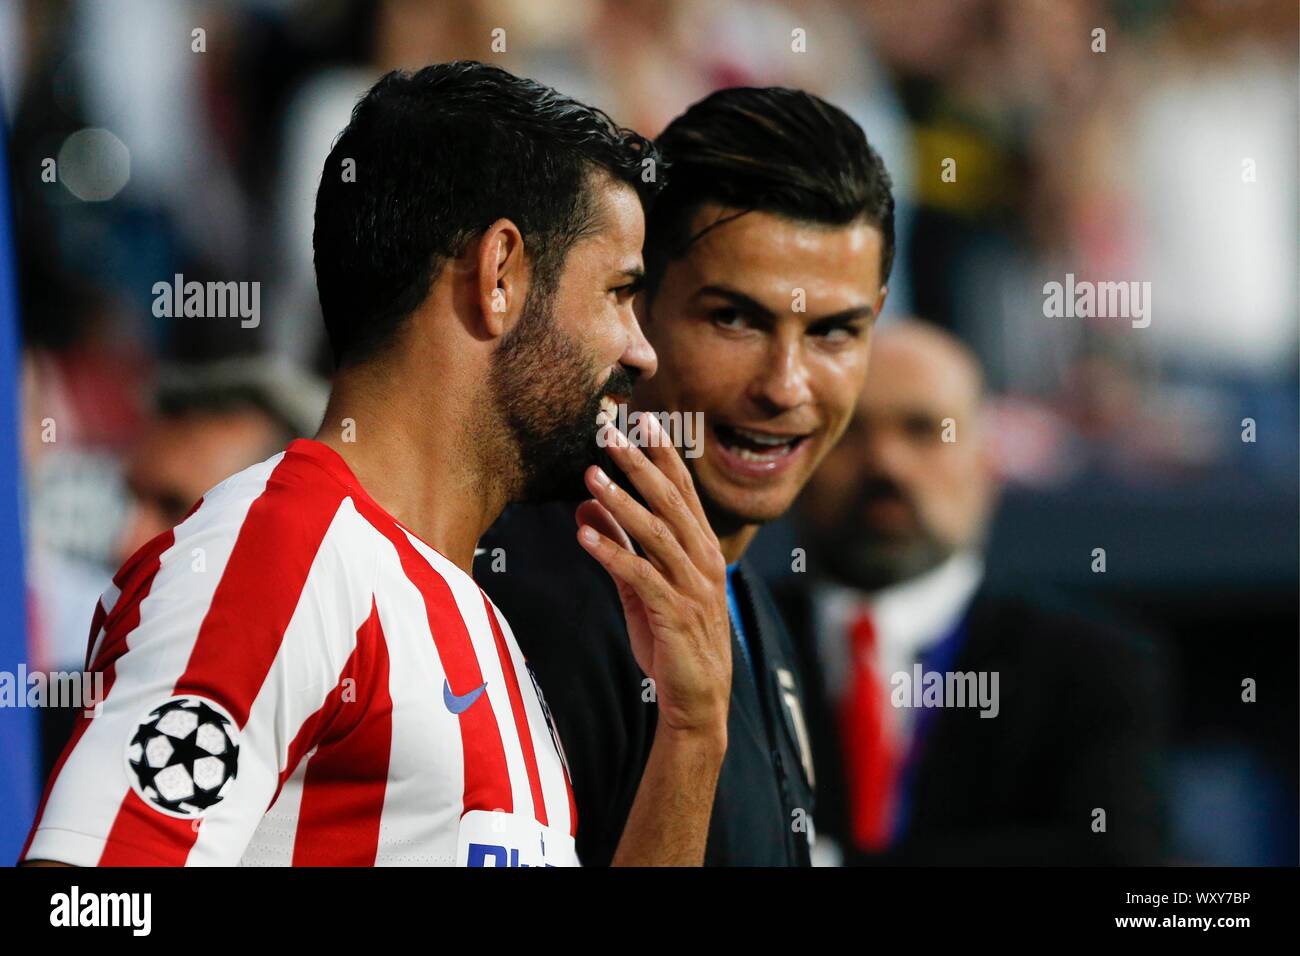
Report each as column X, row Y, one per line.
column 1081, row 724
column 565, row 613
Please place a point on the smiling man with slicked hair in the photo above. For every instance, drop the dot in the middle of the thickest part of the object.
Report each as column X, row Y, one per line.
column 766, row 256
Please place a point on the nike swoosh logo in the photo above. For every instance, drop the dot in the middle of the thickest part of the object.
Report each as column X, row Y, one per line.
column 459, row 703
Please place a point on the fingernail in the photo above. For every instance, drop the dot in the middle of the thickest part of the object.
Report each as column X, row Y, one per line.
column 614, row 437
column 588, row 534
column 602, row 479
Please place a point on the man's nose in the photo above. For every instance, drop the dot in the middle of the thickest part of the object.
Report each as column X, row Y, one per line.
column 638, row 353
column 886, row 453
column 785, row 382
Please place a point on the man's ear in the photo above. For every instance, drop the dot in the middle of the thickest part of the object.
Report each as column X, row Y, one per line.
column 502, row 277
column 988, row 460
column 879, row 306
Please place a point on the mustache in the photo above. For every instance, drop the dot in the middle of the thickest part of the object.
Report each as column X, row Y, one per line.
column 621, row 381
column 883, row 488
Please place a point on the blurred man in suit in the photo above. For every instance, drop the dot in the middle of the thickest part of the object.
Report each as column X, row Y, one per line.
column 209, row 422
column 952, row 724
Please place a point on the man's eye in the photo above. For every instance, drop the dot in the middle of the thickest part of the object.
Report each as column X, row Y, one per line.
column 921, row 429
column 174, row 508
column 836, row 333
column 624, row 292
column 727, row 318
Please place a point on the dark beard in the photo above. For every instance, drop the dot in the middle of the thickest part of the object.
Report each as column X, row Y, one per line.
column 548, row 397
column 862, row 558
column 872, row 565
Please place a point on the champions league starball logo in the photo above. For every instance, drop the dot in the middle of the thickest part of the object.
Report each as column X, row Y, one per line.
column 183, row 756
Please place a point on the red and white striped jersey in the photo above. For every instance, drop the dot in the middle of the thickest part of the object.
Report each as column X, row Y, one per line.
column 292, row 677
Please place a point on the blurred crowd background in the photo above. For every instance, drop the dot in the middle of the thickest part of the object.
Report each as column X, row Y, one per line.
column 1170, row 157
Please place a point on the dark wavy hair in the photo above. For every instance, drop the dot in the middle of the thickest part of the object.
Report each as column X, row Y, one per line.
column 772, row 150
column 436, row 157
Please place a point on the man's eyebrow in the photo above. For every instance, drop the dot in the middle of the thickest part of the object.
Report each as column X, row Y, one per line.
column 736, row 298
column 636, row 274
column 749, row 304
column 847, row 315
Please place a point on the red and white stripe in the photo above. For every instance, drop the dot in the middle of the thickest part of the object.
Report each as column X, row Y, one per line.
column 326, row 630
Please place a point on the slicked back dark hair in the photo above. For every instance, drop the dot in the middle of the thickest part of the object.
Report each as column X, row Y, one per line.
column 771, row 150
column 437, row 157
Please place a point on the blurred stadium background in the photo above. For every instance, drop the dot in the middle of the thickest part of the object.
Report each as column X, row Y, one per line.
column 1169, row 158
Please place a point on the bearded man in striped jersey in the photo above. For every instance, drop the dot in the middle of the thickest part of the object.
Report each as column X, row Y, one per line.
column 303, row 670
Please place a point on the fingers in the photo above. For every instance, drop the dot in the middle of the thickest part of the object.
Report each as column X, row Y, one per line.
column 627, row 568
column 656, row 537
column 598, row 516
column 660, row 450
column 663, row 479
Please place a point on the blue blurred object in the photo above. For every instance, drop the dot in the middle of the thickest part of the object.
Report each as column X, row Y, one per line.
column 19, row 746
column 1229, row 807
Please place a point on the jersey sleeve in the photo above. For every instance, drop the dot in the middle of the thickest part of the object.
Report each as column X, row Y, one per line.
column 218, row 646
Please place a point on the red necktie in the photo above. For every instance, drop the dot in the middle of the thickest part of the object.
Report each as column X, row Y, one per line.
column 869, row 762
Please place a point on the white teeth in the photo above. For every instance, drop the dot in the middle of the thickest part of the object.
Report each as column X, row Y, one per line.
column 775, row 446
column 748, row 455
column 761, row 439
column 608, row 408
